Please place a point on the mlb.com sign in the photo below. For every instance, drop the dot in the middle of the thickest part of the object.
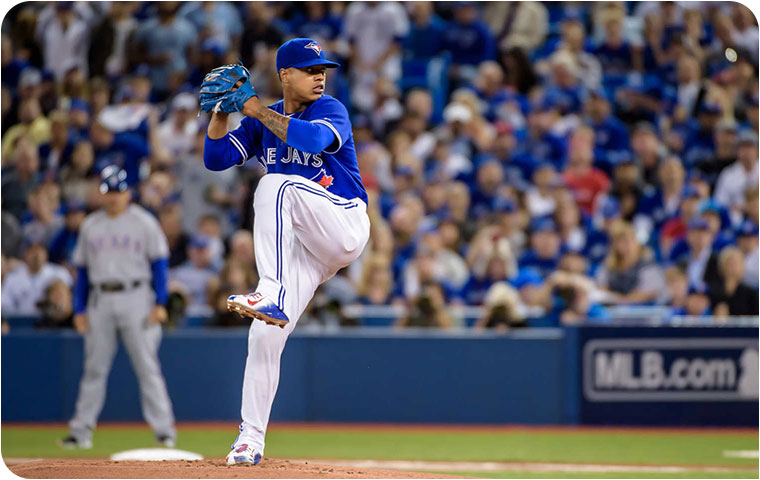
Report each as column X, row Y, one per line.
column 670, row 370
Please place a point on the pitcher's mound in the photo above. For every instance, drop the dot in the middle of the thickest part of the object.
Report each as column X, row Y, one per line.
column 268, row 468
column 155, row 455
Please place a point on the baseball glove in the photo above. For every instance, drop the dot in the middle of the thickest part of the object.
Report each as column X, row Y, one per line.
column 218, row 92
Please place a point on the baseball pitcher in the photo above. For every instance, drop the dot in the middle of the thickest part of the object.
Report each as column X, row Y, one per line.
column 310, row 208
column 121, row 257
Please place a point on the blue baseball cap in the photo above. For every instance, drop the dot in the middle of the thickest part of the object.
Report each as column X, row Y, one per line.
column 302, row 53
column 113, row 179
column 542, row 224
column 690, row 191
column 527, row 276
column 199, row 241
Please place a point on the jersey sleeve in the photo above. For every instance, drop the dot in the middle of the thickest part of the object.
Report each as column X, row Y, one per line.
column 333, row 114
column 157, row 245
column 245, row 137
column 79, row 255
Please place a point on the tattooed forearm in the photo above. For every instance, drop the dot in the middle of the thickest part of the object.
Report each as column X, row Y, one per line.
column 275, row 122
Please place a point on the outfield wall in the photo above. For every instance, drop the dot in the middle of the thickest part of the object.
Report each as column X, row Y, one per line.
column 621, row 375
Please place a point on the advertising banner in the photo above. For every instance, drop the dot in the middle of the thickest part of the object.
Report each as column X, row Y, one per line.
column 699, row 376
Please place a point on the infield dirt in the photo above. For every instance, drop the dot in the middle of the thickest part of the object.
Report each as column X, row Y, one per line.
column 268, row 468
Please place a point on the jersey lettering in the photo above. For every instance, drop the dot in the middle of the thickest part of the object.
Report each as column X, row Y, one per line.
column 271, row 156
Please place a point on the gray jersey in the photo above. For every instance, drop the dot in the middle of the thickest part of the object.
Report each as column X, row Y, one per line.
column 120, row 249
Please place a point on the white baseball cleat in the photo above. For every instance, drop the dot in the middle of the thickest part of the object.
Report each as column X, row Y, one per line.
column 243, row 455
column 256, row 305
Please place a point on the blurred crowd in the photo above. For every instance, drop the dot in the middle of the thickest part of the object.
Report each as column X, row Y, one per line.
column 544, row 161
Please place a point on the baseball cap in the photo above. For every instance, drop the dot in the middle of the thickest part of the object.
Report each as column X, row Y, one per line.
column 747, row 136
column 73, row 206
column 457, row 112
column 527, row 276
column 30, row 76
column 690, row 191
column 302, row 53
column 79, row 104
column 542, row 224
column 113, row 179
column 199, row 241
column 185, row 101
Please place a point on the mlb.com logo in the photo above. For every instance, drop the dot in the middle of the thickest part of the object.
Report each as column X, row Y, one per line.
column 670, row 370
column 314, row 46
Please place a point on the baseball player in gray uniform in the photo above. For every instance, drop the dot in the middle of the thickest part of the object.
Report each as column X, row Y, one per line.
column 120, row 291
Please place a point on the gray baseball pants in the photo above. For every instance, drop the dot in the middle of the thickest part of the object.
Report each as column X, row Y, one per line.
column 122, row 314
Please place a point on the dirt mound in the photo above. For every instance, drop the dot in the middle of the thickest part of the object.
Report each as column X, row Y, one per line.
column 268, row 468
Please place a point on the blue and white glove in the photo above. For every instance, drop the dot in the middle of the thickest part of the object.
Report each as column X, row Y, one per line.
column 218, row 92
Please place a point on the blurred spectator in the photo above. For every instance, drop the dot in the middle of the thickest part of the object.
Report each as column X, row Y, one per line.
column 543, row 254
column 165, row 43
column 376, row 282
column 469, row 41
column 204, row 192
column 426, row 29
column 630, row 272
column 64, row 37
column 739, row 176
column 427, row 309
column 697, row 303
column 729, row 295
column 170, row 219
column 374, row 30
column 25, row 286
column 699, row 260
column 42, row 219
column 109, row 55
column 78, row 179
column 580, row 175
column 677, row 284
column 573, row 293
column 64, row 240
column 747, row 241
column 20, row 177
column 56, row 306
column 195, row 275
column 517, row 24
column 178, row 132
column 501, row 308
column 218, row 22
column 32, row 125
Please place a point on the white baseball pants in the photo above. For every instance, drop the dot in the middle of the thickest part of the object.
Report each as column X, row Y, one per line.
column 303, row 235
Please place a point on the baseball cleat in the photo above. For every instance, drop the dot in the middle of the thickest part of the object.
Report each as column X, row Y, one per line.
column 243, row 455
column 256, row 305
column 71, row 443
column 166, row 441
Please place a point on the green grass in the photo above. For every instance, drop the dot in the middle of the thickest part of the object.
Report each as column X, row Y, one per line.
column 686, row 474
column 604, row 446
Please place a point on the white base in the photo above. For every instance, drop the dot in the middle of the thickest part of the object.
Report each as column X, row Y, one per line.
column 155, row 455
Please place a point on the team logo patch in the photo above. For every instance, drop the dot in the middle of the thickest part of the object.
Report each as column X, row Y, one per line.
column 322, row 178
column 314, row 46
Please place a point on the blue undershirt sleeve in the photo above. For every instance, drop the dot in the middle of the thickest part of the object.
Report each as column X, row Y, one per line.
column 221, row 154
column 81, row 289
column 309, row 137
column 160, row 269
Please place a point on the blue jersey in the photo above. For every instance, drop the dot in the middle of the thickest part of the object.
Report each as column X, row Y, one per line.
column 335, row 168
